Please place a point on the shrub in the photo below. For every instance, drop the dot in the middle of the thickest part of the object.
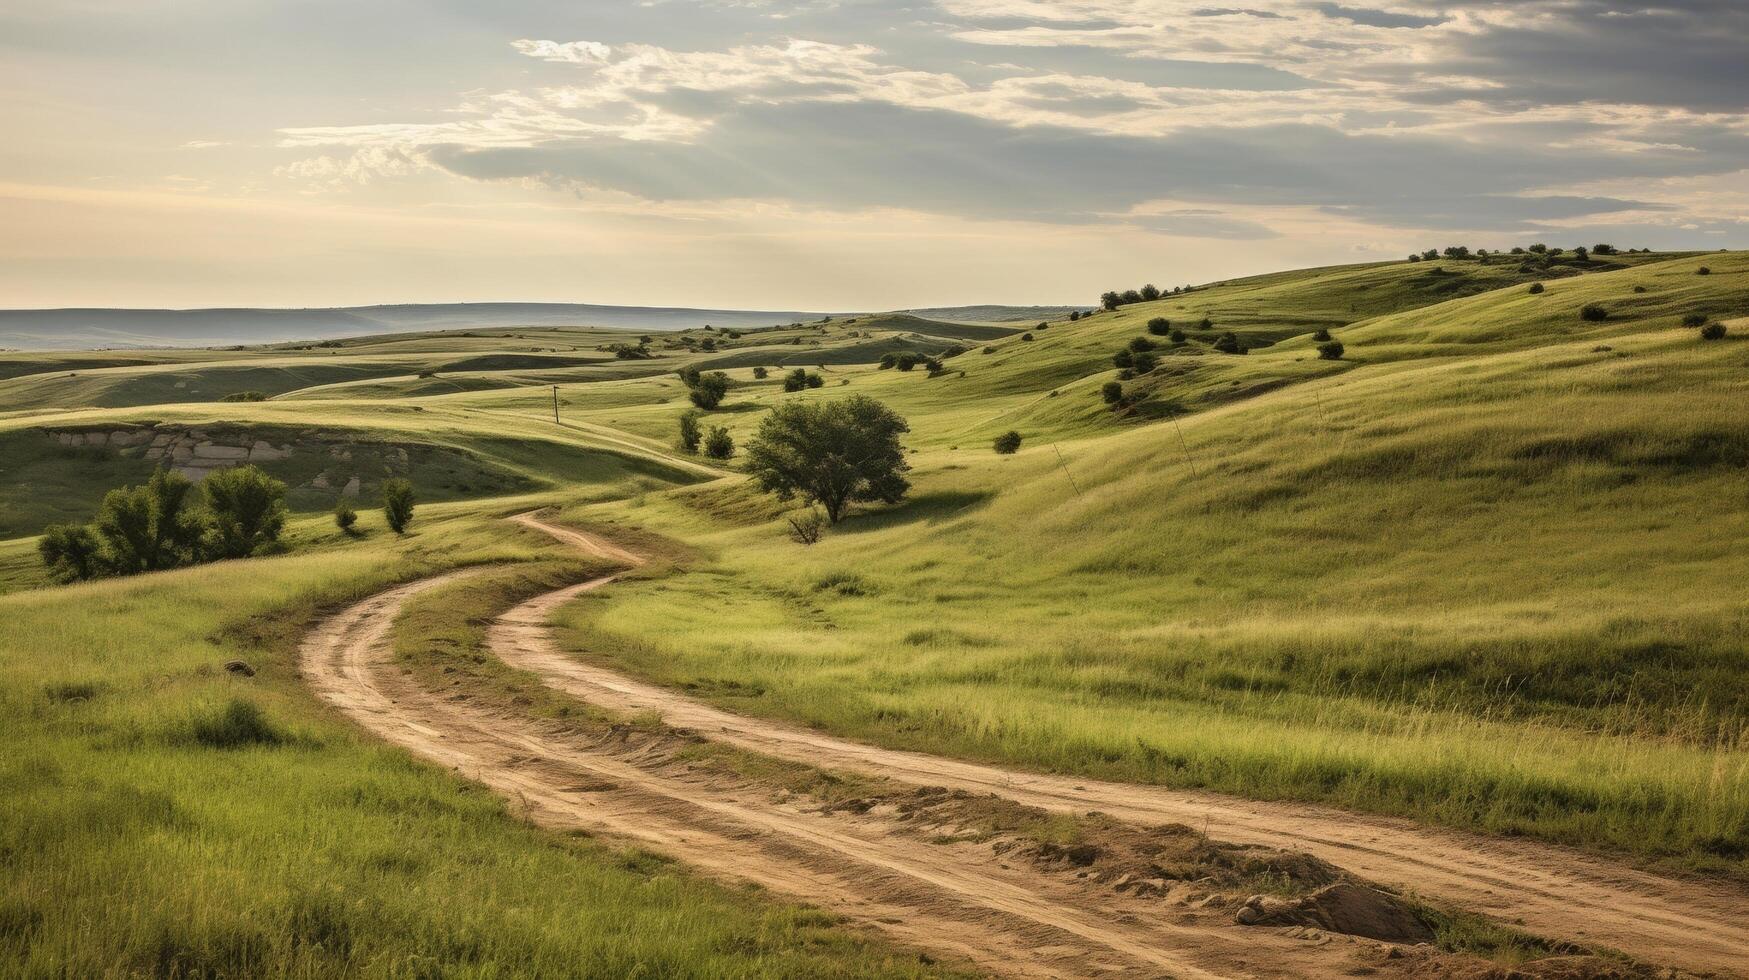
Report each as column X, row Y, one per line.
column 795, row 380
column 1205, row 324
column 906, row 361
column 1132, row 296
column 71, row 552
column 1602, row 249
column 690, row 434
column 247, row 512
column 719, row 444
column 1713, row 331
column 1026, row 336
column 708, row 391
column 345, row 516
column 1593, row 313
column 760, row 374
column 1321, row 334
column 1123, row 358
column 398, row 504
column 1159, row 326
column 1139, row 344
column 1112, row 392
column 151, row 527
column 1143, row 362
column 1150, row 293
column 888, row 360
column 1639, row 289
column 1177, row 336
column 1007, row 444
column 1703, row 271
column 932, row 365
column 1694, row 320
column 1331, row 351
column 245, row 396
column 1042, row 325
column 1229, row 344
column 1415, row 257
column 1536, row 288
column 1074, row 315
column 1110, row 300
column 815, row 381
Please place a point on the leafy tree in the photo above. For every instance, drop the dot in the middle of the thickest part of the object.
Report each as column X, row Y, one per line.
column 1539, row 249
column 151, row 527
column 1111, row 300
column 1150, row 293
column 688, row 375
column 1331, row 350
column 344, row 515
column 906, row 361
column 832, row 453
column 1143, row 362
column 1112, row 392
column 398, row 504
column 1123, row 359
column 246, row 512
column 1132, row 296
column 1603, row 249
column 1007, row 444
column 1139, row 344
column 708, row 391
column 689, row 431
column 1074, row 316
column 1429, row 255
column 888, row 360
column 719, row 444
column 71, row 552
column 795, row 380
column 1159, row 326
column 814, row 381
column 1457, row 252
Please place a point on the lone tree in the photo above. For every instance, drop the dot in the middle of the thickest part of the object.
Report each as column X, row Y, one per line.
column 689, row 431
column 1007, row 444
column 247, row 509
column 398, row 504
column 832, row 453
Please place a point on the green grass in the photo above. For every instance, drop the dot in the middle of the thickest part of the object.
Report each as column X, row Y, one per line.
column 160, row 817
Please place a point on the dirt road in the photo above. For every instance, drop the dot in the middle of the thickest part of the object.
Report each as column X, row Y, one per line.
column 960, row 899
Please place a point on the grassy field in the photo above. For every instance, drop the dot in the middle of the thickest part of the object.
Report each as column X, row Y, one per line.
column 161, row 817
column 1484, row 570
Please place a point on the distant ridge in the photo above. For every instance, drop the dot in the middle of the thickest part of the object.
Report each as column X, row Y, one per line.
column 66, row 329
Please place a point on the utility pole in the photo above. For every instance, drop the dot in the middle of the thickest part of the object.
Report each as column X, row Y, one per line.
column 555, row 404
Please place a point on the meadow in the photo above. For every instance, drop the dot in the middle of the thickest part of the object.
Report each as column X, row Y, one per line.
column 1483, row 570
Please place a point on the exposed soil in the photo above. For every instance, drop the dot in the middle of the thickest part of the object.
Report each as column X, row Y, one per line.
column 937, row 854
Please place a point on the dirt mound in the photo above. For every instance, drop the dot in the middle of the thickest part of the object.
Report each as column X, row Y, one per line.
column 1344, row 907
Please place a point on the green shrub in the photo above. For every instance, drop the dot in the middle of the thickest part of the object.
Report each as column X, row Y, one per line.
column 1007, row 444
column 1229, row 344
column 708, row 390
column 796, row 380
column 344, row 515
column 1703, row 271
column 1536, row 288
column 1159, row 326
column 1143, row 362
column 1695, row 320
column 760, row 374
column 239, row 724
column 245, row 396
column 71, row 552
column 1593, row 313
column 719, row 444
column 246, row 512
column 398, row 504
column 1139, row 344
column 1123, row 358
column 1177, row 336
column 1713, row 331
column 1321, row 335
column 1331, row 351
column 690, row 435
column 1112, row 392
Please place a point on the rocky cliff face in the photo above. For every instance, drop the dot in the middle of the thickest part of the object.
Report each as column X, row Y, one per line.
column 197, row 453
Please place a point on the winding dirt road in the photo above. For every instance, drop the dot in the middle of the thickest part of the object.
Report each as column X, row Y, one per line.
column 960, row 899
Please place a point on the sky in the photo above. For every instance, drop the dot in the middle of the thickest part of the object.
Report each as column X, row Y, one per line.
column 838, row 155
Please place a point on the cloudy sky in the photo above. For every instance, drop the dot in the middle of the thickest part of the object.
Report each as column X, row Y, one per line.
column 838, row 154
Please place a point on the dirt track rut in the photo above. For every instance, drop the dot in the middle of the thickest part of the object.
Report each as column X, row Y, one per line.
column 959, row 899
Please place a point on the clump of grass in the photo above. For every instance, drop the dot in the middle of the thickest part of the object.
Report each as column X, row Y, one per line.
column 239, row 724
column 843, row 583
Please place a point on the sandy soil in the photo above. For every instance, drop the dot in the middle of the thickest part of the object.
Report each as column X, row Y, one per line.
column 963, row 900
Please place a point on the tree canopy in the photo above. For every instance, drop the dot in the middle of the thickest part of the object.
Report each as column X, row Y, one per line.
column 832, row 453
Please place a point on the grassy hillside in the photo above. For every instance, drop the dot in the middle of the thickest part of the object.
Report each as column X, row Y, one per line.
column 1483, row 570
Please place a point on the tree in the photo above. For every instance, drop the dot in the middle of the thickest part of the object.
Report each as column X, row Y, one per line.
column 71, row 552
column 1430, row 255
column 708, row 391
column 1150, row 293
column 344, row 515
column 1139, row 344
column 832, row 453
column 398, row 504
column 1331, row 350
column 1143, row 362
column 1457, row 252
column 906, row 361
column 246, row 509
column 888, row 360
column 1228, row 343
column 1159, row 326
column 719, row 444
column 1603, row 249
column 689, row 431
column 688, row 375
column 796, row 380
column 1110, row 300
column 1123, row 359
column 814, row 381
column 149, row 528
column 1132, row 296
column 1112, row 392
column 1007, row 444
column 1074, row 316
